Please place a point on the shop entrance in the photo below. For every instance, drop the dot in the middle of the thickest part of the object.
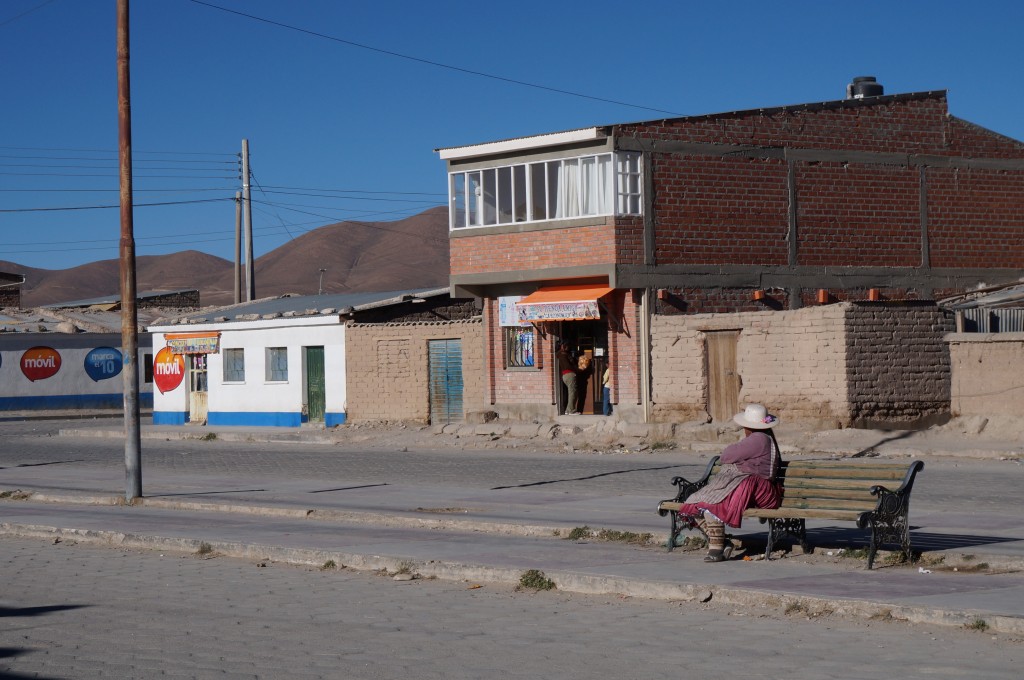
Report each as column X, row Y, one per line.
column 197, row 389
column 584, row 339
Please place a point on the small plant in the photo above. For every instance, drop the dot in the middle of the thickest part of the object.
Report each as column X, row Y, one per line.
column 204, row 548
column 977, row 624
column 896, row 557
column 208, row 437
column 579, row 533
column 534, row 579
column 796, row 607
column 630, row 537
column 16, row 495
column 404, row 568
column 328, row 565
column 663, row 446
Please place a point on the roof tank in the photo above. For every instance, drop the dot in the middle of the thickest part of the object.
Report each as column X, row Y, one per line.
column 864, row 86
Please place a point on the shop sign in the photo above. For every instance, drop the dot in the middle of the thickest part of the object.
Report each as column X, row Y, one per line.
column 168, row 370
column 193, row 343
column 40, row 363
column 559, row 311
column 103, row 363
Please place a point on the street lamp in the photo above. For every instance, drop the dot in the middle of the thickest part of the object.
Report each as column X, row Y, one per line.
column 320, row 291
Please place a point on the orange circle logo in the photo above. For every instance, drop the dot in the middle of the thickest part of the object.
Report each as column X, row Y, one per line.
column 168, row 370
column 40, row 363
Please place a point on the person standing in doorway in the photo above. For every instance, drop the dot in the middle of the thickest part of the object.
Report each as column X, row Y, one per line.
column 606, row 386
column 568, row 372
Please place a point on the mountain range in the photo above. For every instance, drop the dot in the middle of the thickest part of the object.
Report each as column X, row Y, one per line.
column 357, row 257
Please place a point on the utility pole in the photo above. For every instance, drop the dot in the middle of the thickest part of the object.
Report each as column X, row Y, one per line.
column 238, row 247
column 320, row 291
column 250, row 269
column 129, row 314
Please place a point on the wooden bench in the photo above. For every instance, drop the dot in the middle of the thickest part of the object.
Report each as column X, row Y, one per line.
column 849, row 491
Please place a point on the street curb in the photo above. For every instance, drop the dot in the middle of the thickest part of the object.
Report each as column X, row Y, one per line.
column 565, row 581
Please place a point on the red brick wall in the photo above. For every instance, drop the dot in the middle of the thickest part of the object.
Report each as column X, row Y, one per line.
column 714, row 210
column 558, row 247
column 858, row 215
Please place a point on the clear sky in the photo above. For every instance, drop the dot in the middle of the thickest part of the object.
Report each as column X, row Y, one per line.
column 343, row 103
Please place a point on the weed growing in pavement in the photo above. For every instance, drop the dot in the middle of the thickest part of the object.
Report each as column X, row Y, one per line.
column 977, row 624
column 16, row 495
column 585, row 532
column 404, row 568
column 329, row 564
column 534, row 579
column 204, row 548
column 663, row 445
column 796, row 607
column 208, row 437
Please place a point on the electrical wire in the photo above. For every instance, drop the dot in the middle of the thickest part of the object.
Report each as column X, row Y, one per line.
column 28, row 11
column 432, row 63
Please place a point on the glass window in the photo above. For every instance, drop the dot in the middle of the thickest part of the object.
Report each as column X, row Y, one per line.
column 234, row 365
column 147, row 373
column 519, row 346
column 277, row 364
column 595, row 185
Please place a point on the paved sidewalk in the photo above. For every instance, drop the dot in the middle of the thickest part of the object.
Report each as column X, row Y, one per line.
column 462, row 531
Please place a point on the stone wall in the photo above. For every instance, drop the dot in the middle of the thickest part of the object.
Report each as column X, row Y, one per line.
column 388, row 368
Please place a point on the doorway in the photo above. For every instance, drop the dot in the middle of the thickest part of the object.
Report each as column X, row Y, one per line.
column 584, row 339
column 198, row 388
column 724, row 381
column 445, row 368
column 316, row 384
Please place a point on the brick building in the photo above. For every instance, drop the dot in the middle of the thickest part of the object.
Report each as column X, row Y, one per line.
column 598, row 237
column 10, row 289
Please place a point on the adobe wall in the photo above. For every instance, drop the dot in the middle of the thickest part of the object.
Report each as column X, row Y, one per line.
column 792, row 361
column 898, row 365
column 388, row 368
column 987, row 374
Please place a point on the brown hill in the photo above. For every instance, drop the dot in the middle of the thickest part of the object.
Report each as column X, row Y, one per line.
column 358, row 257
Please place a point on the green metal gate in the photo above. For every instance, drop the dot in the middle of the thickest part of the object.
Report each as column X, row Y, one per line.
column 316, row 400
column 445, row 381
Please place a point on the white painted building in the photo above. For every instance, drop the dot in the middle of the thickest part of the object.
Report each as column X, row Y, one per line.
column 265, row 372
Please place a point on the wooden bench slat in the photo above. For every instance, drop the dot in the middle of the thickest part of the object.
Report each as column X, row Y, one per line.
column 845, row 494
column 843, row 473
column 828, row 504
column 836, row 484
column 845, row 515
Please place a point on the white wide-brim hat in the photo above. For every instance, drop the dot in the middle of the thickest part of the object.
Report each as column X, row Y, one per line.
column 755, row 417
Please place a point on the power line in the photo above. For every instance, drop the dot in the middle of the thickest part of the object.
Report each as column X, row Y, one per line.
column 433, row 63
column 362, row 191
column 28, row 11
column 115, row 151
column 103, row 207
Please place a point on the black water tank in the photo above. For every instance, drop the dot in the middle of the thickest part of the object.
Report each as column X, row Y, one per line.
column 865, row 86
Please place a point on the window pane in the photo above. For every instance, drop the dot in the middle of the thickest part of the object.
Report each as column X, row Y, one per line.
column 568, row 204
column 474, row 198
column 504, row 195
column 457, row 199
column 234, row 365
column 519, row 192
column 277, row 364
column 554, row 170
column 519, row 347
column 538, row 192
column 490, row 197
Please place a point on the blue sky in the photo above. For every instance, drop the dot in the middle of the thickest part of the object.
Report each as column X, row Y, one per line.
column 342, row 125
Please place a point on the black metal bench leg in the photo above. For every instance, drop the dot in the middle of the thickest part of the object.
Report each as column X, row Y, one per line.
column 673, row 531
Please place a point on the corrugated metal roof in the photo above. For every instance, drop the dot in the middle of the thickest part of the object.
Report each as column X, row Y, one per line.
column 114, row 299
column 302, row 305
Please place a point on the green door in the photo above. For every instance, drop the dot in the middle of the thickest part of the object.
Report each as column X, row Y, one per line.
column 316, row 401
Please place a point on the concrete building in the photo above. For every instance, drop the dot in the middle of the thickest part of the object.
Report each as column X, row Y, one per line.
column 316, row 359
column 616, row 239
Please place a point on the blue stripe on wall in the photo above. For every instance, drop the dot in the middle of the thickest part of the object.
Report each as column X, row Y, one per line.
column 332, row 419
column 71, row 401
column 170, row 417
column 254, row 418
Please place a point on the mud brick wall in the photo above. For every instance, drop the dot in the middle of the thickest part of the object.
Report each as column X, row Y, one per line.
column 986, row 374
column 388, row 368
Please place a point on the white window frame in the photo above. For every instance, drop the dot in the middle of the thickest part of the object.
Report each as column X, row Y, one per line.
column 616, row 188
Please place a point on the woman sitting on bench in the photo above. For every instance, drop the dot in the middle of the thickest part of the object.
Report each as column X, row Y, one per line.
column 746, row 480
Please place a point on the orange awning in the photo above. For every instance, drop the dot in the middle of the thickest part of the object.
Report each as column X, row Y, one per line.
column 575, row 302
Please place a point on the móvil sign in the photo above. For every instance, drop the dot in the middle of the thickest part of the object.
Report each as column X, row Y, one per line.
column 40, row 363
column 168, row 370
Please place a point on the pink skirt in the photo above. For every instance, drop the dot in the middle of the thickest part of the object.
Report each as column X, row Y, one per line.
column 752, row 492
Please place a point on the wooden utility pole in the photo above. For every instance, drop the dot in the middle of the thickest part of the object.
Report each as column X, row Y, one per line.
column 238, row 247
column 129, row 313
column 250, row 269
